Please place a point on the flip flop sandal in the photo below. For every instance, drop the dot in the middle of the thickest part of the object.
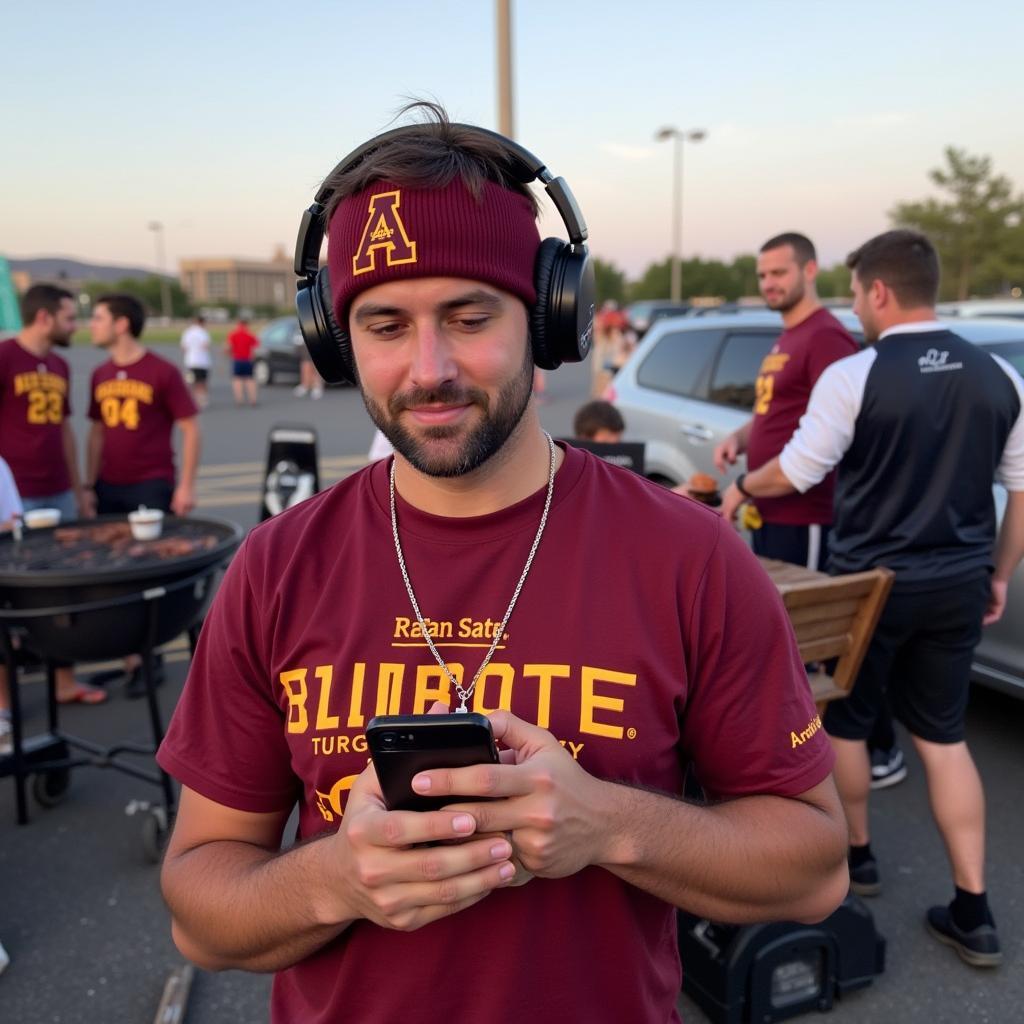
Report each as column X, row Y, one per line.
column 84, row 695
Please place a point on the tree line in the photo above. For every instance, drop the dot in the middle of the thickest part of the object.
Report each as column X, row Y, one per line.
column 977, row 226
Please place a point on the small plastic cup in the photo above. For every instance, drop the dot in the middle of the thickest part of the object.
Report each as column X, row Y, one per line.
column 146, row 523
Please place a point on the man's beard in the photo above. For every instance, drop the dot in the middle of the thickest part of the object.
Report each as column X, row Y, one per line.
column 482, row 441
column 787, row 301
column 61, row 340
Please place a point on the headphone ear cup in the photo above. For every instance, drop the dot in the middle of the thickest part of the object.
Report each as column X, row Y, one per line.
column 545, row 354
column 329, row 346
column 563, row 319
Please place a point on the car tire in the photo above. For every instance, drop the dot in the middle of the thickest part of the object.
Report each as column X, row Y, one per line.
column 261, row 372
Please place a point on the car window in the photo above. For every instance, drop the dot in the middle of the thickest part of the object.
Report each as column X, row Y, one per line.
column 739, row 361
column 677, row 363
column 278, row 334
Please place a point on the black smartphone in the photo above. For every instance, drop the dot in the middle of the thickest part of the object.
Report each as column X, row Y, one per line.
column 403, row 745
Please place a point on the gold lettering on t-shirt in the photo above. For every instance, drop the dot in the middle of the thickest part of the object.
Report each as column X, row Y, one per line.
column 545, row 674
column 590, row 701
column 294, row 683
column 324, row 720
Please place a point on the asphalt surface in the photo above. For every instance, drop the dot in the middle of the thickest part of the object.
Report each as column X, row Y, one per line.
column 80, row 910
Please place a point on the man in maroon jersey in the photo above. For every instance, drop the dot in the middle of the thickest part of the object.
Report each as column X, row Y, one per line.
column 794, row 528
column 558, row 901
column 137, row 399
column 36, row 437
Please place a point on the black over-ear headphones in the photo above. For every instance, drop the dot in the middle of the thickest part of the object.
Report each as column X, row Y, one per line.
column 561, row 324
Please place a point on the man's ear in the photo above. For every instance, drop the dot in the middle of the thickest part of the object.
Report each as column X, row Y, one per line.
column 880, row 294
column 811, row 271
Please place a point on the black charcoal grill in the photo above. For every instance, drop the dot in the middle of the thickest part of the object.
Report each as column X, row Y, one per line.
column 88, row 591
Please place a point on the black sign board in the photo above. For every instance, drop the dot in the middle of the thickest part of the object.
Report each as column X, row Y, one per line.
column 628, row 454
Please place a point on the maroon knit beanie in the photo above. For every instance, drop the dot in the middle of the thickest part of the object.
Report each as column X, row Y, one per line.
column 390, row 233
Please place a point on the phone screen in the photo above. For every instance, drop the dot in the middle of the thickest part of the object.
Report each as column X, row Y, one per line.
column 403, row 745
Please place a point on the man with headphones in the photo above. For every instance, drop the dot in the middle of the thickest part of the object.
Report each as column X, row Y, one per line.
column 460, row 574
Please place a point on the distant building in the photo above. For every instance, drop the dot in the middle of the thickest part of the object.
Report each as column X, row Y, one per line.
column 250, row 283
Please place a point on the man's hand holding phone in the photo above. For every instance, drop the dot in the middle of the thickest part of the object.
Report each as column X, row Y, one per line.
column 555, row 811
column 399, row 872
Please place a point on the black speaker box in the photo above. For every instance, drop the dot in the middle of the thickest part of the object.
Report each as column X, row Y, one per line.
column 767, row 972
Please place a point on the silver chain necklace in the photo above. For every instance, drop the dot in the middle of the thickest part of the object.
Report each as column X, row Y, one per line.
column 465, row 694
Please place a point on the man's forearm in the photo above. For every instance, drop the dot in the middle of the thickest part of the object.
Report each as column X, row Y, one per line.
column 767, row 481
column 756, row 858
column 237, row 905
column 189, row 452
column 742, row 435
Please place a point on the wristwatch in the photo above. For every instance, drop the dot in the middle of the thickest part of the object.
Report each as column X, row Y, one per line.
column 739, row 486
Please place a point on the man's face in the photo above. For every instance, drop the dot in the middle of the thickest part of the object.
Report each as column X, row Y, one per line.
column 862, row 308
column 102, row 327
column 780, row 278
column 445, row 369
column 62, row 324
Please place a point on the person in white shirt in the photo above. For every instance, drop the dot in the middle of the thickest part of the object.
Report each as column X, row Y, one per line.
column 195, row 342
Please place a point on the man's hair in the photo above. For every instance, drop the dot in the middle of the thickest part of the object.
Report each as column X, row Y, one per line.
column 200, row 319
column 904, row 261
column 126, row 306
column 42, row 296
column 595, row 416
column 803, row 247
column 430, row 155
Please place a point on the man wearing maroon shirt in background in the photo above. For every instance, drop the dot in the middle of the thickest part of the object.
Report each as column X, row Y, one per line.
column 794, row 528
column 35, row 433
column 136, row 401
column 240, row 345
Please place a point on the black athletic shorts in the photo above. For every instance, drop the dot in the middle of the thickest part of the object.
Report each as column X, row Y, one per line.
column 120, row 499
column 920, row 655
column 199, row 374
column 800, row 545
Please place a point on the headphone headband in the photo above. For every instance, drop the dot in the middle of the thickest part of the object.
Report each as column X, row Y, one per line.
column 525, row 166
column 561, row 319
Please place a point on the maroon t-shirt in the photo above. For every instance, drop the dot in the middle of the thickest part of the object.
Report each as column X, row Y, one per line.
column 33, row 406
column 638, row 651
column 784, row 384
column 138, row 406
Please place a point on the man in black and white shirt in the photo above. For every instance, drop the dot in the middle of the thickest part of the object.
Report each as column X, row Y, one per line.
column 919, row 424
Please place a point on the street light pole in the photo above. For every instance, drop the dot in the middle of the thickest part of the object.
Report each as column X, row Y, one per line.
column 503, row 17
column 165, row 288
column 678, row 138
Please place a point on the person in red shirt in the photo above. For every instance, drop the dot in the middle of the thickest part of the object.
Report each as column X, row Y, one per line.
column 240, row 345
column 557, row 899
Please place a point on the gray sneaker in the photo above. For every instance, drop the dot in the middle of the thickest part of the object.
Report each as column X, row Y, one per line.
column 978, row 947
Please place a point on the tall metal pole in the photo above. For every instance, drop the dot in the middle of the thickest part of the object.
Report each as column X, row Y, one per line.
column 503, row 14
column 677, row 218
column 165, row 288
column 678, row 138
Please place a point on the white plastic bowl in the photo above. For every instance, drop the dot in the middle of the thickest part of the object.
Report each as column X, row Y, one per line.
column 37, row 518
column 146, row 523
